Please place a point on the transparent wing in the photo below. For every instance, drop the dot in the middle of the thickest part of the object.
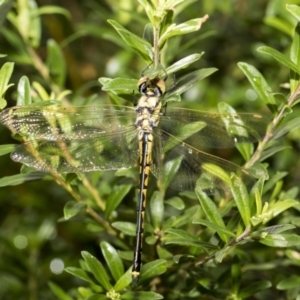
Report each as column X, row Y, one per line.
column 212, row 130
column 113, row 151
column 66, row 123
column 74, row 139
column 184, row 133
column 194, row 165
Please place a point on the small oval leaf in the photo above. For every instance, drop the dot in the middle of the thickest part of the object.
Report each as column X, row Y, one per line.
column 72, row 208
column 259, row 84
column 24, row 97
column 97, row 269
column 280, row 58
column 141, row 296
column 153, row 268
column 112, row 259
column 212, row 213
column 5, row 149
column 21, row 178
column 125, row 227
column 156, row 209
column 281, row 240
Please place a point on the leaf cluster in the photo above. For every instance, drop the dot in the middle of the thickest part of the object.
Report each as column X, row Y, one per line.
column 196, row 246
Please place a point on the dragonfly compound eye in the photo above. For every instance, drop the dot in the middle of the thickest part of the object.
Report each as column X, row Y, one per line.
column 161, row 85
column 143, row 85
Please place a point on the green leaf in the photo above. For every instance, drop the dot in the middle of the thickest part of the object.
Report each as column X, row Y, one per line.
column 289, row 283
column 271, row 151
column 148, row 33
column 153, row 268
column 286, row 127
column 291, row 194
column 273, row 180
column 279, row 24
column 41, row 91
column 246, row 149
column 142, row 47
column 5, row 74
column 182, row 237
column 5, row 149
column 156, row 209
column 171, row 167
column 112, row 259
column 152, row 239
column 185, row 82
column 173, row 3
column 21, row 178
column 115, row 198
column 125, row 85
column 185, row 132
column 281, row 240
column 254, row 288
column 14, row 39
column 52, row 9
column 280, row 98
column 259, row 84
column 212, row 213
column 164, row 253
column 183, row 28
column 34, row 32
column 273, row 229
column 293, row 256
column 236, row 275
column 5, row 7
column 183, row 63
column 241, row 198
column 56, row 63
column 72, row 208
column 184, row 258
column 220, row 254
column 123, row 281
column 279, row 57
column 45, row 231
column 141, row 296
column 294, row 10
column 258, row 199
column 186, row 217
column 96, row 297
column 295, row 58
column 27, row 22
column 150, row 10
column 281, row 206
column 216, row 171
column 24, row 91
column 125, row 227
column 175, row 202
column 213, row 226
column 80, row 274
column 97, row 269
column 166, row 22
column 58, row 292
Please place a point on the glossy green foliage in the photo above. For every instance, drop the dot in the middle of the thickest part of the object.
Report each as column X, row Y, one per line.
column 71, row 236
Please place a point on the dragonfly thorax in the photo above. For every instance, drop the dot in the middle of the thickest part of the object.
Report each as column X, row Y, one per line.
column 149, row 105
column 148, row 111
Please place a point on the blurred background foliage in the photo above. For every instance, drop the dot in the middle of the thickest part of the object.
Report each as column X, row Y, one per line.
column 91, row 49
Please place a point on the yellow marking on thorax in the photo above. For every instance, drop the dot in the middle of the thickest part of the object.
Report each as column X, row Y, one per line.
column 148, row 110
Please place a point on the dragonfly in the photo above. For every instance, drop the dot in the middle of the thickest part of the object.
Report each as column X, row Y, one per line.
column 149, row 135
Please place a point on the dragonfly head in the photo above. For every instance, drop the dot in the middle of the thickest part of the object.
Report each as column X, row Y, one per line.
column 151, row 87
